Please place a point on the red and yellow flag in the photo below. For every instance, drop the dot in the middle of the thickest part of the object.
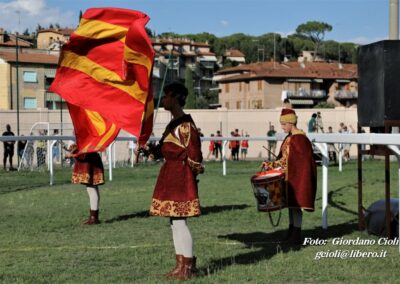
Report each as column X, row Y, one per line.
column 104, row 74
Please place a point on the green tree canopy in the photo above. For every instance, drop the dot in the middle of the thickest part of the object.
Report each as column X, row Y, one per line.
column 191, row 99
column 315, row 31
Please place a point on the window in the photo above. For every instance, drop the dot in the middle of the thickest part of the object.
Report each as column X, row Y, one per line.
column 238, row 105
column 227, row 105
column 257, row 104
column 227, row 88
column 30, row 103
column 259, row 85
column 30, row 77
column 240, row 86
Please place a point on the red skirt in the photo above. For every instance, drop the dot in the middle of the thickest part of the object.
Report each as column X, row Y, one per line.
column 88, row 170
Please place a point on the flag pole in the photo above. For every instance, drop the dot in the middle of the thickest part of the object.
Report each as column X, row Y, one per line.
column 162, row 87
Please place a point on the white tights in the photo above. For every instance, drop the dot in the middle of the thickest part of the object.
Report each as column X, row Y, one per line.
column 94, row 197
column 182, row 237
column 295, row 217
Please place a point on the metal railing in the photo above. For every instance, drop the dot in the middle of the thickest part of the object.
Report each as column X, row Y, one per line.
column 306, row 94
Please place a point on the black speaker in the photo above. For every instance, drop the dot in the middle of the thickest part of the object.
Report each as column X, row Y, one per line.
column 378, row 83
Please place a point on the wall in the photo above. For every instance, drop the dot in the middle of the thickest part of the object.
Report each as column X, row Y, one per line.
column 255, row 122
column 4, row 85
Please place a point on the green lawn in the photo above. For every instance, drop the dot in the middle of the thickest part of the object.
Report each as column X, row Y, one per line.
column 42, row 239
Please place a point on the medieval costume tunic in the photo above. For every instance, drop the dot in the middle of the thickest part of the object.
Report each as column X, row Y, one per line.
column 175, row 194
column 88, row 169
column 296, row 159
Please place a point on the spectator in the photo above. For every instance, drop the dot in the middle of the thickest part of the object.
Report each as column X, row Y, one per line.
column 232, row 147
column 8, row 149
column 218, row 146
column 211, row 147
column 312, row 123
column 331, row 148
column 200, row 133
column 21, row 147
column 131, row 149
column 244, row 144
column 237, row 145
column 319, row 124
column 56, row 147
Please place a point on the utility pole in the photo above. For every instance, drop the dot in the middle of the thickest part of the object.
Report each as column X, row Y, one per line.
column 394, row 19
column 274, row 48
column 17, row 78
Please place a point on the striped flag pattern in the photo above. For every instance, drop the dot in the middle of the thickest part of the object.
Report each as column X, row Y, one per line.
column 104, row 74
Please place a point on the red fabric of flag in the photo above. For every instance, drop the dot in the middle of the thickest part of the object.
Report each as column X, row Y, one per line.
column 104, row 74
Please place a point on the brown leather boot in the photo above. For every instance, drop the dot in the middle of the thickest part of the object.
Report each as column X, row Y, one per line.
column 296, row 238
column 186, row 272
column 288, row 234
column 93, row 218
column 178, row 267
column 194, row 268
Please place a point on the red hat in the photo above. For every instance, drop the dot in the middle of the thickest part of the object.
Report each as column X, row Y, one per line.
column 288, row 115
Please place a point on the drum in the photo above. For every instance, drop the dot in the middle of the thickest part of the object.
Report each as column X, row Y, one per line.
column 269, row 190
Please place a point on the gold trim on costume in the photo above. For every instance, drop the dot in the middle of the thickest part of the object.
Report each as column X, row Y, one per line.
column 170, row 138
column 169, row 208
column 184, row 130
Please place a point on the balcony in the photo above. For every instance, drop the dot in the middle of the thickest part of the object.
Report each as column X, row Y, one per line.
column 208, row 64
column 306, row 94
column 346, row 95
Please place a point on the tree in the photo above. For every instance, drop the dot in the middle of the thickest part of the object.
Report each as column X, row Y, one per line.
column 315, row 31
column 149, row 32
column 191, row 99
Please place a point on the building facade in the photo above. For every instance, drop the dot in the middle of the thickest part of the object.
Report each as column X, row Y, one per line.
column 174, row 57
column 266, row 85
column 25, row 77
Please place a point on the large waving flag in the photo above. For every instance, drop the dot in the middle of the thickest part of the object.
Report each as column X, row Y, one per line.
column 104, row 74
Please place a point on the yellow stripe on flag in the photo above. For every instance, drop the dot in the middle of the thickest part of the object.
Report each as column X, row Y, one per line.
column 107, row 136
column 99, row 29
column 135, row 57
column 102, row 75
column 97, row 121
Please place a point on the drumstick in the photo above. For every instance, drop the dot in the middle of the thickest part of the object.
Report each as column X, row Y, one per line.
column 270, row 152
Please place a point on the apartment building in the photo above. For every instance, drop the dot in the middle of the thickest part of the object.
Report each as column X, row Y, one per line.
column 178, row 55
column 265, row 85
column 53, row 39
column 33, row 73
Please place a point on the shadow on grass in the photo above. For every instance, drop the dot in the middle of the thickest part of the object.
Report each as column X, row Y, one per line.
column 268, row 245
column 20, row 188
column 220, row 208
column 204, row 211
column 340, row 205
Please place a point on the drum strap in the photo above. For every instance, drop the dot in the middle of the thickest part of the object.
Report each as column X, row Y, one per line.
column 277, row 221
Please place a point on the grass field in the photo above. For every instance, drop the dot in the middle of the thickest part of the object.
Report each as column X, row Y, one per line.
column 42, row 239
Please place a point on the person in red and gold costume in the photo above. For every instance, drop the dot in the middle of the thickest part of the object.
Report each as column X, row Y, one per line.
column 296, row 160
column 89, row 171
column 176, row 193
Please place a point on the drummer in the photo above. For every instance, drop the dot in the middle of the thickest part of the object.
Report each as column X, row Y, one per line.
column 296, row 160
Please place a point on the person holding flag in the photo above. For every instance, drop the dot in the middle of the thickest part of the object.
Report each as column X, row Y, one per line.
column 104, row 75
column 176, row 193
column 89, row 171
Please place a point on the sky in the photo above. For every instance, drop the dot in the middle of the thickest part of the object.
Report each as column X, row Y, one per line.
column 358, row 21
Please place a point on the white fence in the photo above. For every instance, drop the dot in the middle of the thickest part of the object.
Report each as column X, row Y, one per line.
column 392, row 141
